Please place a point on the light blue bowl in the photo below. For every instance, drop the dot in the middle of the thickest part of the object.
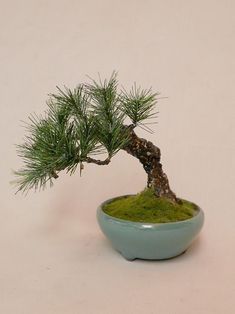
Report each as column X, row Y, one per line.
column 151, row 241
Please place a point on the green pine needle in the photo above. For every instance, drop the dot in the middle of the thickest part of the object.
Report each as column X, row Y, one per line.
column 138, row 104
column 80, row 122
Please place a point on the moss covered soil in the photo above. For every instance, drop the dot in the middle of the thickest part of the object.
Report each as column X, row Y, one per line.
column 146, row 207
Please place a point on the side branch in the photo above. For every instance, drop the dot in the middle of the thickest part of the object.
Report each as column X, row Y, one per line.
column 54, row 175
column 88, row 160
column 98, row 162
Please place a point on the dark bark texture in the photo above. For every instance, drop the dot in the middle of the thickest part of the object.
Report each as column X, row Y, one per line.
column 149, row 155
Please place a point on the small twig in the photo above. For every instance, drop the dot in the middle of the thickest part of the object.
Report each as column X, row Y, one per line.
column 97, row 161
column 54, row 175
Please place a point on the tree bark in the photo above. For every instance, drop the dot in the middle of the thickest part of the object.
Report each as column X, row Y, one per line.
column 149, row 155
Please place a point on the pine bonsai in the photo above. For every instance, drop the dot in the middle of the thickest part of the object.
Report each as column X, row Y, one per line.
column 89, row 120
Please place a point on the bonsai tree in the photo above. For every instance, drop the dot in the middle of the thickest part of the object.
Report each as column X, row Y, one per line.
column 95, row 119
column 84, row 122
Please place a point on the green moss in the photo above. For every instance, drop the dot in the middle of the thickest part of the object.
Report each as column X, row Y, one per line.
column 146, row 207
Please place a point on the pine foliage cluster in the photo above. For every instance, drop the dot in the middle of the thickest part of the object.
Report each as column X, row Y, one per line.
column 79, row 124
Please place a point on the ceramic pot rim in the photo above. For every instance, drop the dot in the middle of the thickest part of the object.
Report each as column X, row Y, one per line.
column 150, row 224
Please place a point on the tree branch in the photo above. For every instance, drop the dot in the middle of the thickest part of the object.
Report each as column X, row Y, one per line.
column 98, row 162
column 54, row 175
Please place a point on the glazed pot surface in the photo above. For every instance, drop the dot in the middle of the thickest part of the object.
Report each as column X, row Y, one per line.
column 154, row 241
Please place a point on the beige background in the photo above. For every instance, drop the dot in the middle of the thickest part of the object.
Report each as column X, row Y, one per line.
column 54, row 258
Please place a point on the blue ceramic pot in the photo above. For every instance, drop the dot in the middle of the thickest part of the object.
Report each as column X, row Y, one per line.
column 152, row 241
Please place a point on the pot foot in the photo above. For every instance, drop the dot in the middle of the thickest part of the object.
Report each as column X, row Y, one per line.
column 128, row 257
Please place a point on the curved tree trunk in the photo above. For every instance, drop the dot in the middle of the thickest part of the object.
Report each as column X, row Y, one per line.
column 149, row 155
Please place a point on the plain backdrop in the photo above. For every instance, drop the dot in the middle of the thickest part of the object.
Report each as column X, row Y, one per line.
column 54, row 258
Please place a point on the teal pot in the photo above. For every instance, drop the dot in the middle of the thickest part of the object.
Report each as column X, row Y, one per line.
column 150, row 241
